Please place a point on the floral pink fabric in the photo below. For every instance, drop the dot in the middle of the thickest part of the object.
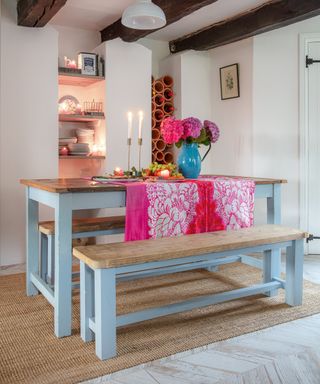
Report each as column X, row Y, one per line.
column 170, row 209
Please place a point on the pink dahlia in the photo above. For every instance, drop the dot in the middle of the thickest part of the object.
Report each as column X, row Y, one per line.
column 171, row 130
column 192, row 127
column 212, row 129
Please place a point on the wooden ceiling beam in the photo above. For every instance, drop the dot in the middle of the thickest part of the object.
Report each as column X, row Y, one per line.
column 272, row 15
column 173, row 9
column 37, row 13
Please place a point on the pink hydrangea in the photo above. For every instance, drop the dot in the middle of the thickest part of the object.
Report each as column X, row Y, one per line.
column 171, row 130
column 212, row 129
column 191, row 127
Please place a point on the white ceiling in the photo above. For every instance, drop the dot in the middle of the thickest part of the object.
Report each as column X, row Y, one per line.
column 97, row 14
column 90, row 14
column 204, row 17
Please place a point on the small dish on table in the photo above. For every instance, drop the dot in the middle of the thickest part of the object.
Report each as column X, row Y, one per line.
column 114, row 179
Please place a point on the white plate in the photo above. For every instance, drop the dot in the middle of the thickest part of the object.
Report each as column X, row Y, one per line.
column 170, row 181
column 106, row 180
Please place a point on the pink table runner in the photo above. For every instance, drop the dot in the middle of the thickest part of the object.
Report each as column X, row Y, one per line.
column 170, row 209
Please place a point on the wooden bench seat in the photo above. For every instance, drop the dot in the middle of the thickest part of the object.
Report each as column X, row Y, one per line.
column 145, row 251
column 101, row 265
column 87, row 224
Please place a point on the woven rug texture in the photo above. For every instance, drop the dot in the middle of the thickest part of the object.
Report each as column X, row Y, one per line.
column 30, row 353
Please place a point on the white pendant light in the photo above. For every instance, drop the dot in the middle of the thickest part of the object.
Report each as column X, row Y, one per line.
column 143, row 15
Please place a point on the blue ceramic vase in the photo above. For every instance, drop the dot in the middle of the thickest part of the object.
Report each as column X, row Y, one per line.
column 189, row 160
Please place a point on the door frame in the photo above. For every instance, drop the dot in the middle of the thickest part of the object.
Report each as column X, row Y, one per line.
column 304, row 40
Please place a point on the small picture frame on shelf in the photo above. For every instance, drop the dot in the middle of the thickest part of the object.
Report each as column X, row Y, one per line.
column 88, row 63
column 229, row 82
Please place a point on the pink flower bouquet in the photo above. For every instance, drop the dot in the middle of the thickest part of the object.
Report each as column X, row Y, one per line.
column 189, row 130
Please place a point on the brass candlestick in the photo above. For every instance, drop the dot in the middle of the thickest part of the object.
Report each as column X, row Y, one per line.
column 140, row 148
column 129, row 153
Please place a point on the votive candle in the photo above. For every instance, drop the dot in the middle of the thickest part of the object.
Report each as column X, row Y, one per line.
column 165, row 174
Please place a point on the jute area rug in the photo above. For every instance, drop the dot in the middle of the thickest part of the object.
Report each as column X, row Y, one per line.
column 30, row 353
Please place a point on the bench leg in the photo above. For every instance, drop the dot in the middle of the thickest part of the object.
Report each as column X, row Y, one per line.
column 105, row 312
column 271, row 268
column 43, row 256
column 51, row 259
column 86, row 301
column 294, row 273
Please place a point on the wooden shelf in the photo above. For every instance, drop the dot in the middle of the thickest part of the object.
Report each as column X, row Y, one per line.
column 71, row 157
column 79, row 118
column 78, row 79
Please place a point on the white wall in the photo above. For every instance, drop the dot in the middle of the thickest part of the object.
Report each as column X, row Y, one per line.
column 159, row 49
column 128, row 88
column 74, row 40
column 233, row 151
column 192, row 76
column 276, row 110
column 28, row 122
column 197, row 95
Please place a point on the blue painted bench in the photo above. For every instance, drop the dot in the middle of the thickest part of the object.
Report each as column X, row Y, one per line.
column 102, row 265
column 81, row 228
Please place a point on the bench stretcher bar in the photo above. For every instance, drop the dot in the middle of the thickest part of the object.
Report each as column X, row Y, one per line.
column 188, row 305
column 43, row 287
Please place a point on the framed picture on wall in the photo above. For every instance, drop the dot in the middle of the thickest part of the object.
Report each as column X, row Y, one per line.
column 229, row 82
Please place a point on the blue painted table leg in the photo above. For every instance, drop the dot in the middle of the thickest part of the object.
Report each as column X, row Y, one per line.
column 32, row 243
column 105, row 313
column 86, row 301
column 274, row 206
column 294, row 273
column 270, row 268
column 274, row 217
column 63, row 266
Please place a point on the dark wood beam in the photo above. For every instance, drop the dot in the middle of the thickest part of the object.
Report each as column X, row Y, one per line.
column 37, row 13
column 269, row 16
column 173, row 9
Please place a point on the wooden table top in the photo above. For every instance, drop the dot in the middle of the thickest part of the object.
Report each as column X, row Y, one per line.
column 82, row 185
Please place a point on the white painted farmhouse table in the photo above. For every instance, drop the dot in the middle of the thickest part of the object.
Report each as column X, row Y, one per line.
column 68, row 195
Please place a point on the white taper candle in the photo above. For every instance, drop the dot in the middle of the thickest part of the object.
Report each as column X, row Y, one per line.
column 140, row 124
column 129, row 125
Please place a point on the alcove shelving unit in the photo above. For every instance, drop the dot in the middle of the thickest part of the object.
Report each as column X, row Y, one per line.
column 75, row 83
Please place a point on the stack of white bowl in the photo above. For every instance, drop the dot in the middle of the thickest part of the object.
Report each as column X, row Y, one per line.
column 79, row 149
column 85, row 135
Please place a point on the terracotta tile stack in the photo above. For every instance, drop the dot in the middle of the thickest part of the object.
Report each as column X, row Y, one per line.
column 162, row 107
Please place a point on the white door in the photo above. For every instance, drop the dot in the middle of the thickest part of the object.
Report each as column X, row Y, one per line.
column 314, row 146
